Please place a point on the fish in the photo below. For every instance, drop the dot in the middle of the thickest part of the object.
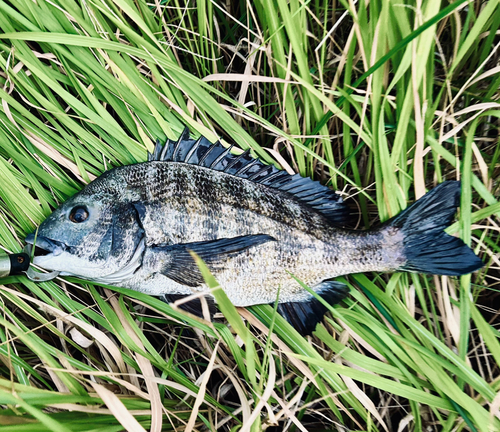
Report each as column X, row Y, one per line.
column 259, row 229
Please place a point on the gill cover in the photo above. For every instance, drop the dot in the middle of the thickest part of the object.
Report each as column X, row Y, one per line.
column 89, row 236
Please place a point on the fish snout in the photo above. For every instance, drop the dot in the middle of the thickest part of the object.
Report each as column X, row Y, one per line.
column 44, row 245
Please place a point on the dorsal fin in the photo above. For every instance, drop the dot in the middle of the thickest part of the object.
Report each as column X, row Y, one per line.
column 215, row 156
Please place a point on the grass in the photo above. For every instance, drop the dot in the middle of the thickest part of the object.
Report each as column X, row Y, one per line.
column 381, row 101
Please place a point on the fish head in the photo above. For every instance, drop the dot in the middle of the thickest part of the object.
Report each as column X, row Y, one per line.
column 92, row 236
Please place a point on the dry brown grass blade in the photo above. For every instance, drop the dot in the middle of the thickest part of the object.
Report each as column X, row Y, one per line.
column 362, row 397
column 263, row 399
column 58, row 157
column 243, row 401
column 145, row 366
column 97, row 334
column 286, row 410
column 299, row 364
column 115, row 405
column 244, row 78
column 478, row 109
column 200, row 397
column 95, row 409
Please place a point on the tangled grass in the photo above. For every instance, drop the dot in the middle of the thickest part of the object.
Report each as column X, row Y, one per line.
column 380, row 100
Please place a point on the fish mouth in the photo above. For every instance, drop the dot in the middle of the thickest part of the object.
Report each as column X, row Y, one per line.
column 45, row 246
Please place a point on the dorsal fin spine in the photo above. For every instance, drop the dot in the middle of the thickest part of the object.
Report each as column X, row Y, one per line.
column 222, row 156
column 236, row 160
column 259, row 173
column 184, row 135
column 199, row 152
column 176, row 149
column 200, row 163
column 271, row 177
column 193, row 149
column 164, row 150
column 156, row 152
column 182, row 141
column 245, row 168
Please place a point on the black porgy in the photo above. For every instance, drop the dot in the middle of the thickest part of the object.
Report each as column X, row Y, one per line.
column 254, row 226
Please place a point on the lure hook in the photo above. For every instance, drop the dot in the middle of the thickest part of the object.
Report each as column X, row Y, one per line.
column 19, row 263
column 32, row 274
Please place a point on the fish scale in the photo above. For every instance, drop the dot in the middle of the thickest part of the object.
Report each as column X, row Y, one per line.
column 253, row 225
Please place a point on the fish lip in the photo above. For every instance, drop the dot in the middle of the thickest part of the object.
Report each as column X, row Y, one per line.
column 54, row 247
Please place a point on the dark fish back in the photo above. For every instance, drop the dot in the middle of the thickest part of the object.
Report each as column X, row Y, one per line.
column 216, row 157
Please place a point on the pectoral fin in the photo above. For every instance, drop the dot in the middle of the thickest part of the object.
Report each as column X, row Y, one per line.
column 178, row 264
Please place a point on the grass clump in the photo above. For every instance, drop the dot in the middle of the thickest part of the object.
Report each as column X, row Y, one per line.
column 381, row 100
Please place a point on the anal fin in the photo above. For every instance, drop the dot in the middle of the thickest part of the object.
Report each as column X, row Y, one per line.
column 304, row 316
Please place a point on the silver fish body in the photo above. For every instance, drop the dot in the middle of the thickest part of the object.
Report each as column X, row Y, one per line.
column 135, row 225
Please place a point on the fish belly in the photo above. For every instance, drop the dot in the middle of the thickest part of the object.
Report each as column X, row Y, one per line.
column 257, row 275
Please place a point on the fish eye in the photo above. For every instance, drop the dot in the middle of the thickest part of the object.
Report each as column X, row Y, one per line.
column 79, row 214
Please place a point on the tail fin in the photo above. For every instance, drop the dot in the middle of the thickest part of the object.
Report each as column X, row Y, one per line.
column 427, row 248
